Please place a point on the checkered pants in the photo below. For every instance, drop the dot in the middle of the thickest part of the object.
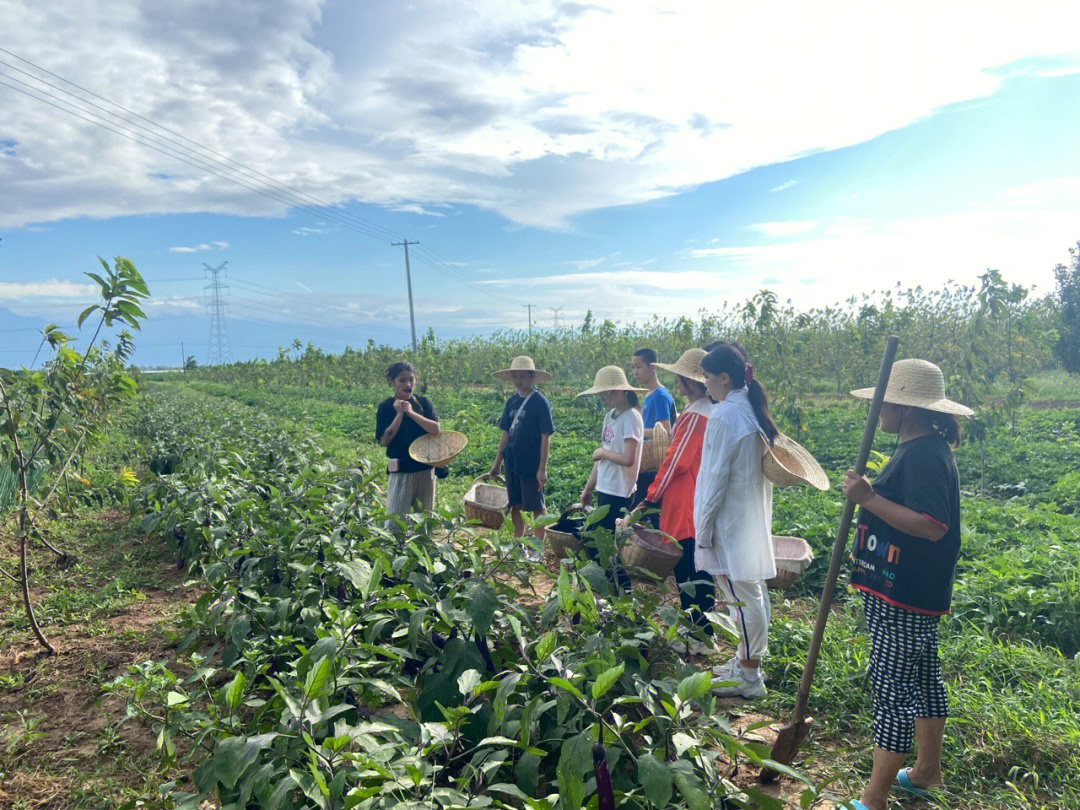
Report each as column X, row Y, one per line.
column 904, row 670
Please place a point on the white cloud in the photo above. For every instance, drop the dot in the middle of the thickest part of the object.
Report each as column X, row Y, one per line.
column 585, row 264
column 857, row 256
column 781, row 229
column 306, row 231
column 199, row 248
column 784, row 186
column 536, row 111
column 53, row 288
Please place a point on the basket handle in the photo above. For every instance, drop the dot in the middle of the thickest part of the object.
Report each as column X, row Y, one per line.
column 487, row 477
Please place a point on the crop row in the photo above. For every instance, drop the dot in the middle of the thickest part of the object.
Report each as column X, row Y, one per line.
column 359, row 665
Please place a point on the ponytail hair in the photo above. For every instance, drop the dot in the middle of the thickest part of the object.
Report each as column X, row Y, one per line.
column 632, row 398
column 944, row 424
column 730, row 359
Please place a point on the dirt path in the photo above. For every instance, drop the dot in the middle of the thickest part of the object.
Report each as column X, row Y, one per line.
column 59, row 746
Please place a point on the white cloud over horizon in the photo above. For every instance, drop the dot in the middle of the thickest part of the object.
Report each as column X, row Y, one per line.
column 535, row 111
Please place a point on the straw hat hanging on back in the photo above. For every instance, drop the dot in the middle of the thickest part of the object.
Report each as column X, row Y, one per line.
column 689, row 365
column 610, row 378
column 437, row 451
column 787, row 463
column 918, row 383
column 523, row 363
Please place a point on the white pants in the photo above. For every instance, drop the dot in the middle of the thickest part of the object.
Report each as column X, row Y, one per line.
column 405, row 490
column 751, row 610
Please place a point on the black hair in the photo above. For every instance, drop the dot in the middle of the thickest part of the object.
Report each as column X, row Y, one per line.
column 397, row 369
column 632, row 398
column 945, row 424
column 648, row 355
column 728, row 358
column 689, row 384
column 713, row 344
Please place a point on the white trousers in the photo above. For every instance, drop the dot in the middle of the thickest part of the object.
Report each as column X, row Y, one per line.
column 751, row 611
column 405, row 490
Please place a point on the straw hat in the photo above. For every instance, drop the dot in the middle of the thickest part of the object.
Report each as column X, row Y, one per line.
column 918, row 383
column 522, row 363
column 610, row 378
column 787, row 463
column 689, row 365
column 437, row 451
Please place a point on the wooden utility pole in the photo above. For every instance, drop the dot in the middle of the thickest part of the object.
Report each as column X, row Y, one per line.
column 408, row 278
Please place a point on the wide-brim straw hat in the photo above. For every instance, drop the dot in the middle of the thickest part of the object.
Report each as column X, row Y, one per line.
column 689, row 365
column 610, row 378
column 436, row 451
column 918, row 383
column 787, row 463
column 523, row 363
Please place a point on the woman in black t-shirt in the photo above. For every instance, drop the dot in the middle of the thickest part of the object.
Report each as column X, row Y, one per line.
column 906, row 546
column 400, row 420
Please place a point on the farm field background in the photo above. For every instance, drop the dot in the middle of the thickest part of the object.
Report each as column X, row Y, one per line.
column 263, row 484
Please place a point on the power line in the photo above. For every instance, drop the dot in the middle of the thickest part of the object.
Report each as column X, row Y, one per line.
column 241, row 175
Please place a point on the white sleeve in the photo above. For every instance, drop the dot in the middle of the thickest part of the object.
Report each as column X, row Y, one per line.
column 712, row 478
column 636, row 427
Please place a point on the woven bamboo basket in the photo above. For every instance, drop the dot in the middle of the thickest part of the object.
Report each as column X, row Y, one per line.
column 793, row 556
column 646, row 549
column 486, row 503
column 561, row 537
column 562, row 544
column 653, row 449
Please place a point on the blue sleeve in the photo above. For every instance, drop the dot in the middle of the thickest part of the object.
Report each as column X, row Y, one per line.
column 673, row 412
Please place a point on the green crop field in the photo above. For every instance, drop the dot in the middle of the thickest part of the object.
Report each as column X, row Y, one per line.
column 235, row 624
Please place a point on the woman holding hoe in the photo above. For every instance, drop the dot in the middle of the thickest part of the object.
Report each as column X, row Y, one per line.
column 904, row 558
column 399, row 421
column 616, row 461
column 733, row 511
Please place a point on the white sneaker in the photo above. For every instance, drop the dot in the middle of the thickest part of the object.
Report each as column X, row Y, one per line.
column 727, row 671
column 530, row 554
column 695, row 647
column 745, row 687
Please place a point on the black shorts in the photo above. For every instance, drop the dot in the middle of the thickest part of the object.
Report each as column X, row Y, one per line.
column 524, row 492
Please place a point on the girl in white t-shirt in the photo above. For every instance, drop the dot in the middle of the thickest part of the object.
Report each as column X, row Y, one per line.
column 617, row 461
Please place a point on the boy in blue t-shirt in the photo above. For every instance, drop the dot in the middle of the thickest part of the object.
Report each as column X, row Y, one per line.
column 658, row 408
column 526, row 438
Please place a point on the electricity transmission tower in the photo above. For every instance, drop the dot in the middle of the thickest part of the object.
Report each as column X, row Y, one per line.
column 555, row 313
column 218, row 351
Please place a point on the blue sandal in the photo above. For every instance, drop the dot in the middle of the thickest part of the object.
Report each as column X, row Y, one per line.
column 903, row 783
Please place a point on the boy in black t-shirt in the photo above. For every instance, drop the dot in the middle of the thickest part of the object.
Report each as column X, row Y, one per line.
column 399, row 421
column 527, row 427
column 903, row 561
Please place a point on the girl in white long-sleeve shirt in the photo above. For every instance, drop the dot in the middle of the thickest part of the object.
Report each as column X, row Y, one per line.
column 733, row 511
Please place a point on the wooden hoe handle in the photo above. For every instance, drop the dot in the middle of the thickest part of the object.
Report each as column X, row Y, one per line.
column 843, row 531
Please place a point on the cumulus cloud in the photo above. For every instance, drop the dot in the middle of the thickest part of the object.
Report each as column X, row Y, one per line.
column 536, row 111
column 53, row 288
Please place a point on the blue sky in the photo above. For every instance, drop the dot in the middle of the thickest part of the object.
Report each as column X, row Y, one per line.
column 629, row 159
